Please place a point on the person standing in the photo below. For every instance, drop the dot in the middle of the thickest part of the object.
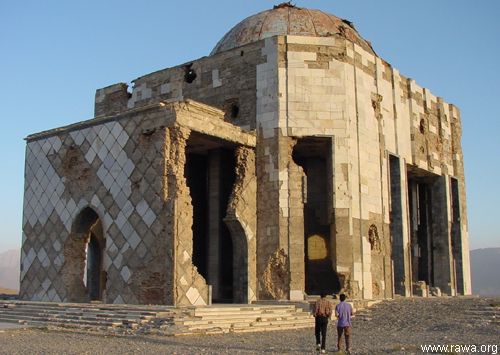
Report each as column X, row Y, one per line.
column 343, row 312
column 322, row 312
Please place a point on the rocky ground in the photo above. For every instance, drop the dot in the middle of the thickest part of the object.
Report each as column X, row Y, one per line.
column 393, row 327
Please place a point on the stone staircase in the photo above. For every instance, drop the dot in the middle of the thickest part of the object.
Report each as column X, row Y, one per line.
column 164, row 320
column 82, row 315
column 243, row 318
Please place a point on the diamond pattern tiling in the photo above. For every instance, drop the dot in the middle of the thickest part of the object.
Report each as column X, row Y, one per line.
column 46, row 284
column 118, row 300
column 107, row 220
column 95, row 202
column 120, row 220
column 42, row 255
column 125, row 273
column 142, row 207
column 133, row 239
column 126, row 229
column 149, row 217
column 120, row 197
column 117, row 262
column 102, row 131
column 102, row 152
column 48, row 198
column 90, row 155
column 77, row 136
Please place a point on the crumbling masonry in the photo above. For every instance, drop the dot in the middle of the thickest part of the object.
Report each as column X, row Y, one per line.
column 291, row 160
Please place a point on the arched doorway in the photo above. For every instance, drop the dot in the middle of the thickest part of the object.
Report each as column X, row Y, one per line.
column 83, row 271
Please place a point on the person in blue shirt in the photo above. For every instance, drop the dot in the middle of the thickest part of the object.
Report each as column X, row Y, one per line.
column 343, row 312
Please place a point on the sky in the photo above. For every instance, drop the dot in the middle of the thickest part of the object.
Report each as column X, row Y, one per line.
column 55, row 54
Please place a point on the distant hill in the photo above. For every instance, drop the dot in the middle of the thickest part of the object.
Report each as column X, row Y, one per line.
column 485, row 270
column 9, row 269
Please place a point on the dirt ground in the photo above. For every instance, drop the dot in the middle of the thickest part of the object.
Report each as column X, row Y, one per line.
column 400, row 326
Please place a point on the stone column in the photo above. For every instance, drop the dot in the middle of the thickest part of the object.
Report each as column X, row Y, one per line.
column 462, row 260
column 296, row 229
column 399, row 227
column 441, row 238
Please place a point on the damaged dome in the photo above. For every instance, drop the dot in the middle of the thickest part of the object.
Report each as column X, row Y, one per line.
column 287, row 19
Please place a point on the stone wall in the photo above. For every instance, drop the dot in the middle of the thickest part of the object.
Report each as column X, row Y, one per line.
column 127, row 171
column 226, row 81
column 115, row 167
column 331, row 87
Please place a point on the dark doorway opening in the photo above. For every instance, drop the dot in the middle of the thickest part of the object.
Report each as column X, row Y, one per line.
column 420, row 225
column 425, row 209
column 83, row 272
column 94, row 268
column 396, row 226
column 196, row 176
column 210, row 174
column 456, row 236
column 431, row 235
column 314, row 154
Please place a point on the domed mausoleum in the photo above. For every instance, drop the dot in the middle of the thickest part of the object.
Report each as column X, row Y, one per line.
column 292, row 160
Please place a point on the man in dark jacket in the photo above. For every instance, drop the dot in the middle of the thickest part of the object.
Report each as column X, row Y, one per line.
column 322, row 312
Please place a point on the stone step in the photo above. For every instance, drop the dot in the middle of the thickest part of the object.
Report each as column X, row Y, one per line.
column 69, row 310
column 242, row 308
column 272, row 328
column 245, row 315
column 309, row 323
column 162, row 319
column 246, row 327
column 26, row 322
column 72, row 318
column 94, row 306
column 190, row 322
column 202, row 313
column 49, row 320
column 78, row 313
column 260, row 311
column 83, row 320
